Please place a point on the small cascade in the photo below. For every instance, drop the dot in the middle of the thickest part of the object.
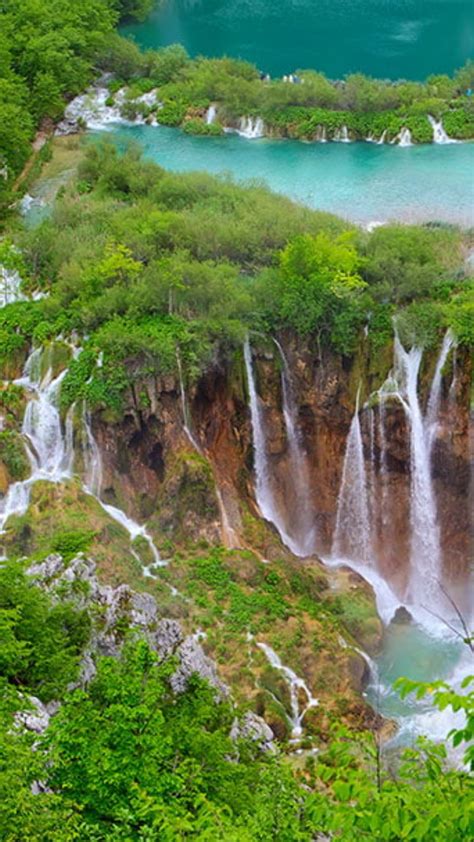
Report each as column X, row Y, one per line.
column 352, row 535
column 321, row 134
column 342, row 135
column 382, row 137
column 263, row 487
column 303, row 532
column 50, row 450
column 297, row 687
column 251, row 127
column 43, row 430
column 439, row 133
column 184, row 406
column 10, row 287
column 211, row 114
column 404, row 138
column 93, row 483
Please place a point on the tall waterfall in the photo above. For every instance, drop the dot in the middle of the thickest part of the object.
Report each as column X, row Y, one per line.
column 263, row 474
column 352, row 535
column 425, row 546
column 303, row 530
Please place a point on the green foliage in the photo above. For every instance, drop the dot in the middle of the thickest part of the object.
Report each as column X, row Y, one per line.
column 143, row 763
column 40, row 641
column 197, row 126
column 12, row 454
column 69, row 544
column 405, row 262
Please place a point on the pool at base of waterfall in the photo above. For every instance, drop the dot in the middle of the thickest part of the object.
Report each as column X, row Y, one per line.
column 418, row 653
column 363, row 182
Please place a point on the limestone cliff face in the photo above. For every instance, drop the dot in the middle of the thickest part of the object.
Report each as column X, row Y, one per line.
column 148, row 457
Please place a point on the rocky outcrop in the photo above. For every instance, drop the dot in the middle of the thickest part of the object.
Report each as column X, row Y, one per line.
column 151, row 465
column 120, row 611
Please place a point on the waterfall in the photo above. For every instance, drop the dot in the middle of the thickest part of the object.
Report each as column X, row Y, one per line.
column 432, row 409
column 297, row 687
column 425, row 551
column 302, row 531
column 342, row 135
column 404, row 138
column 211, row 115
column 382, row 468
column 439, row 133
column 381, row 140
column 263, row 485
column 10, row 287
column 251, row 128
column 92, row 485
column 184, row 407
column 49, row 451
column 352, row 535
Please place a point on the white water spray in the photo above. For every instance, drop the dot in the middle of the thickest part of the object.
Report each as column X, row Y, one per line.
column 440, row 136
column 251, row 128
column 297, row 687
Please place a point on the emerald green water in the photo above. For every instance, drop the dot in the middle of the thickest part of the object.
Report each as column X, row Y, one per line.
column 384, row 38
column 362, row 182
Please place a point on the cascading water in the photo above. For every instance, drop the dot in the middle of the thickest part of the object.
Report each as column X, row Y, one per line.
column 302, row 532
column 263, row 474
column 211, row 115
column 251, row 128
column 425, row 551
column 342, row 135
column 296, row 687
column 49, row 450
column 404, row 138
column 93, row 483
column 352, row 535
column 10, row 287
column 439, row 133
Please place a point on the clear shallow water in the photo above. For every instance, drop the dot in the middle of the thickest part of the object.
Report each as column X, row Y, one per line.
column 359, row 181
column 383, row 38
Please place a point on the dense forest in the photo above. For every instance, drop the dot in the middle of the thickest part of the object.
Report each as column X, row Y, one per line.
column 141, row 264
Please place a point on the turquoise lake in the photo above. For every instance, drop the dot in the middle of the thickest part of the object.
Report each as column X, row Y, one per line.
column 384, row 38
column 362, row 182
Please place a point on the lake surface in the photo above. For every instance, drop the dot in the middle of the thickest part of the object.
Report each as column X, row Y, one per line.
column 362, row 182
column 383, row 38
